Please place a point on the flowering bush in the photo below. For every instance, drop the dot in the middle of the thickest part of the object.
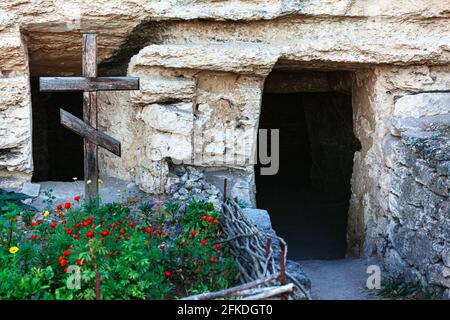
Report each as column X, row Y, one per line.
column 118, row 253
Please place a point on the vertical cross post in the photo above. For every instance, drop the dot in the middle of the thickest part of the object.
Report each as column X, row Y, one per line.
column 90, row 117
column 87, row 128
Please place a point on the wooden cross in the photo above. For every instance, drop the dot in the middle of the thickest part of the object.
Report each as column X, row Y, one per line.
column 87, row 128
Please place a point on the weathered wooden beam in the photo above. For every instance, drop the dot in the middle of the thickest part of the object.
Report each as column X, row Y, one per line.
column 99, row 138
column 54, row 84
column 90, row 118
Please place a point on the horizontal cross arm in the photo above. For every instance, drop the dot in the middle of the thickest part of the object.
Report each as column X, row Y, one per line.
column 51, row 84
column 86, row 131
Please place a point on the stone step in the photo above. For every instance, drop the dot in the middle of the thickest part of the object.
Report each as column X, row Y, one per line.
column 241, row 58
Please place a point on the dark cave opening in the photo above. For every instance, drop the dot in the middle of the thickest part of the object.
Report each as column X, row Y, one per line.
column 57, row 151
column 308, row 199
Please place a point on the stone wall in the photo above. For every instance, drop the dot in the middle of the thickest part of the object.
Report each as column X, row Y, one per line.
column 418, row 157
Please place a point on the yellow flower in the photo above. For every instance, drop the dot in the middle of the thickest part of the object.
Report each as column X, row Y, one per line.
column 100, row 181
column 88, row 182
column 46, row 213
column 13, row 250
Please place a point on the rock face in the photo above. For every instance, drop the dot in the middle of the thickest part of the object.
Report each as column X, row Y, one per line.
column 186, row 183
column 202, row 66
column 418, row 153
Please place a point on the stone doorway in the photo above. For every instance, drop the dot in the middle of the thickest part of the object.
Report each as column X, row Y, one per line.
column 308, row 199
column 57, row 152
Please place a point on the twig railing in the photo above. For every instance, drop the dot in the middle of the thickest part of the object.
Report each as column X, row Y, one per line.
column 262, row 272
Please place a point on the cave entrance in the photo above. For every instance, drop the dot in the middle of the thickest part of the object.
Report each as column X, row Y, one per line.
column 57, row 152
column 308, row 199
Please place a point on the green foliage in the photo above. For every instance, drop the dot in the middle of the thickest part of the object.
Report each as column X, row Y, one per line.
column 137, row 255
column 398, row 288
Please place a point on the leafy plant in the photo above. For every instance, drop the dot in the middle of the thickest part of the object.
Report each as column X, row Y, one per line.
column 49, row 198
column 242, row 203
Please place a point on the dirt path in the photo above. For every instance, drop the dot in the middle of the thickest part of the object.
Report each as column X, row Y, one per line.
column 339, row 279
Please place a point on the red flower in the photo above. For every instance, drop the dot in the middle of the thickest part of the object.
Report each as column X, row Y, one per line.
column 33, row 237
column 162, row 247
column 60, row 215
column 76, row 236
column 127, row 238
column 15, row 219
column 216, row 221
column 122, row 230
column 105, row 233
column 34, row 224
column 118, row 223
column 111, row 226
column 159, row 232
column 70, row 231
column 167, row 274
column 131, row 224
column 149, row 230
column 210, row 219
column 90, row 234
column 77, row 225
column 67, row 205
column 102, row 219
column 86, row 223
column 198, row 270
column 59, row 207
column 63, row 222
column 65, row 270
column 218, row 246
column 203, row 242
column 67, row 253
column 204, row 218
column 63, row 262
column 41, row 221
column 80, row 262
column 91, row 218
column 212, row 260
column 193, row 233
column 180, row 244
column 53, row 225
column 76, row 198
